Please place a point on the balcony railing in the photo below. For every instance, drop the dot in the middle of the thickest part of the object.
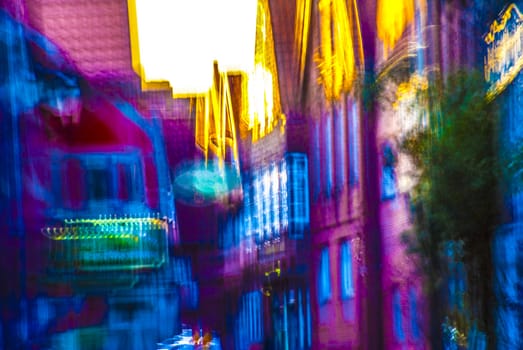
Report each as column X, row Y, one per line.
column 108, row 243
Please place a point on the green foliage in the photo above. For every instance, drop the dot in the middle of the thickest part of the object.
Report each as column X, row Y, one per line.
column 457, row 192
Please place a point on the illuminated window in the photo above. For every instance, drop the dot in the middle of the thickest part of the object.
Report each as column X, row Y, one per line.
column 249, row 208
column 267, row 207
column 354, row 144
column 284, row 204
column 324, row 287
column 346, row 277
column 258, row 206
column 397, row 316
column 275, row 198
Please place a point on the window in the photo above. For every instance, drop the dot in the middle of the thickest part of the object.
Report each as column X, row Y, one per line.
column 354, row 143
column 316, row 180
column 397, row 316
column 388, row 176
column 257, row 218
column 298, row 187
column 99, row 183
column 284, row 204
column 98, row 177
column 275, row 198
column 324, row 288
column 346, row 277
column 328, row 156
column 414, row 321
column 266, row 203
column 339, row 127
column 250, row 319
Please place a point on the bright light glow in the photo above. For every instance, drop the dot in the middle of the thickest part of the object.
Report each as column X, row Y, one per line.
column 341, row 51
column 177, row 41
column 301, row 33
column 261, row 102
column 215, row 121
column 263, row 109
column 392, row 17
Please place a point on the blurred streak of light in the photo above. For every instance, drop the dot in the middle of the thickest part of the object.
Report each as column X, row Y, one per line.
column 504, row 59
column 392, row 17
column 261, row 102
column 177, row 41
column 215, row 127
column 408, row 90
column 497, row 27
column 263, row 106
column 341, row 48
column 301, row 33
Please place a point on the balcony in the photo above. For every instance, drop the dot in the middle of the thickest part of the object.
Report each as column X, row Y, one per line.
column 107, row 244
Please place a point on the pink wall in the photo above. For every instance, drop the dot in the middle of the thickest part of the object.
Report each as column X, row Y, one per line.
column 400, row 270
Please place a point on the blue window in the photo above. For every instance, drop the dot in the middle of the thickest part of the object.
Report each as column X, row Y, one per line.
column 397, row 316
column 298, row 195
column 275, row 198
column 388, row 176
column 316, row 180
column 265, row 203
column 339, row 128
column 328, row 156
column 414, row 319
column 249, row 320
column 257, row 222
column 354, row 143
column 324, row 288
column 284, row 198
column 346, row 277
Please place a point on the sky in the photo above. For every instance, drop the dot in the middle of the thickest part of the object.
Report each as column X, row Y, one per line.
column 180, row 39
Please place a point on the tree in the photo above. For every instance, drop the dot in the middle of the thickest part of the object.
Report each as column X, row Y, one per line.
column 456, row 196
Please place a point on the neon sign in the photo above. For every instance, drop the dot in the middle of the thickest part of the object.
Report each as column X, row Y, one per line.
column 504, row 57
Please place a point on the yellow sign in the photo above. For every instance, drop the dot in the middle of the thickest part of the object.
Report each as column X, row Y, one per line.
column 504, row 58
